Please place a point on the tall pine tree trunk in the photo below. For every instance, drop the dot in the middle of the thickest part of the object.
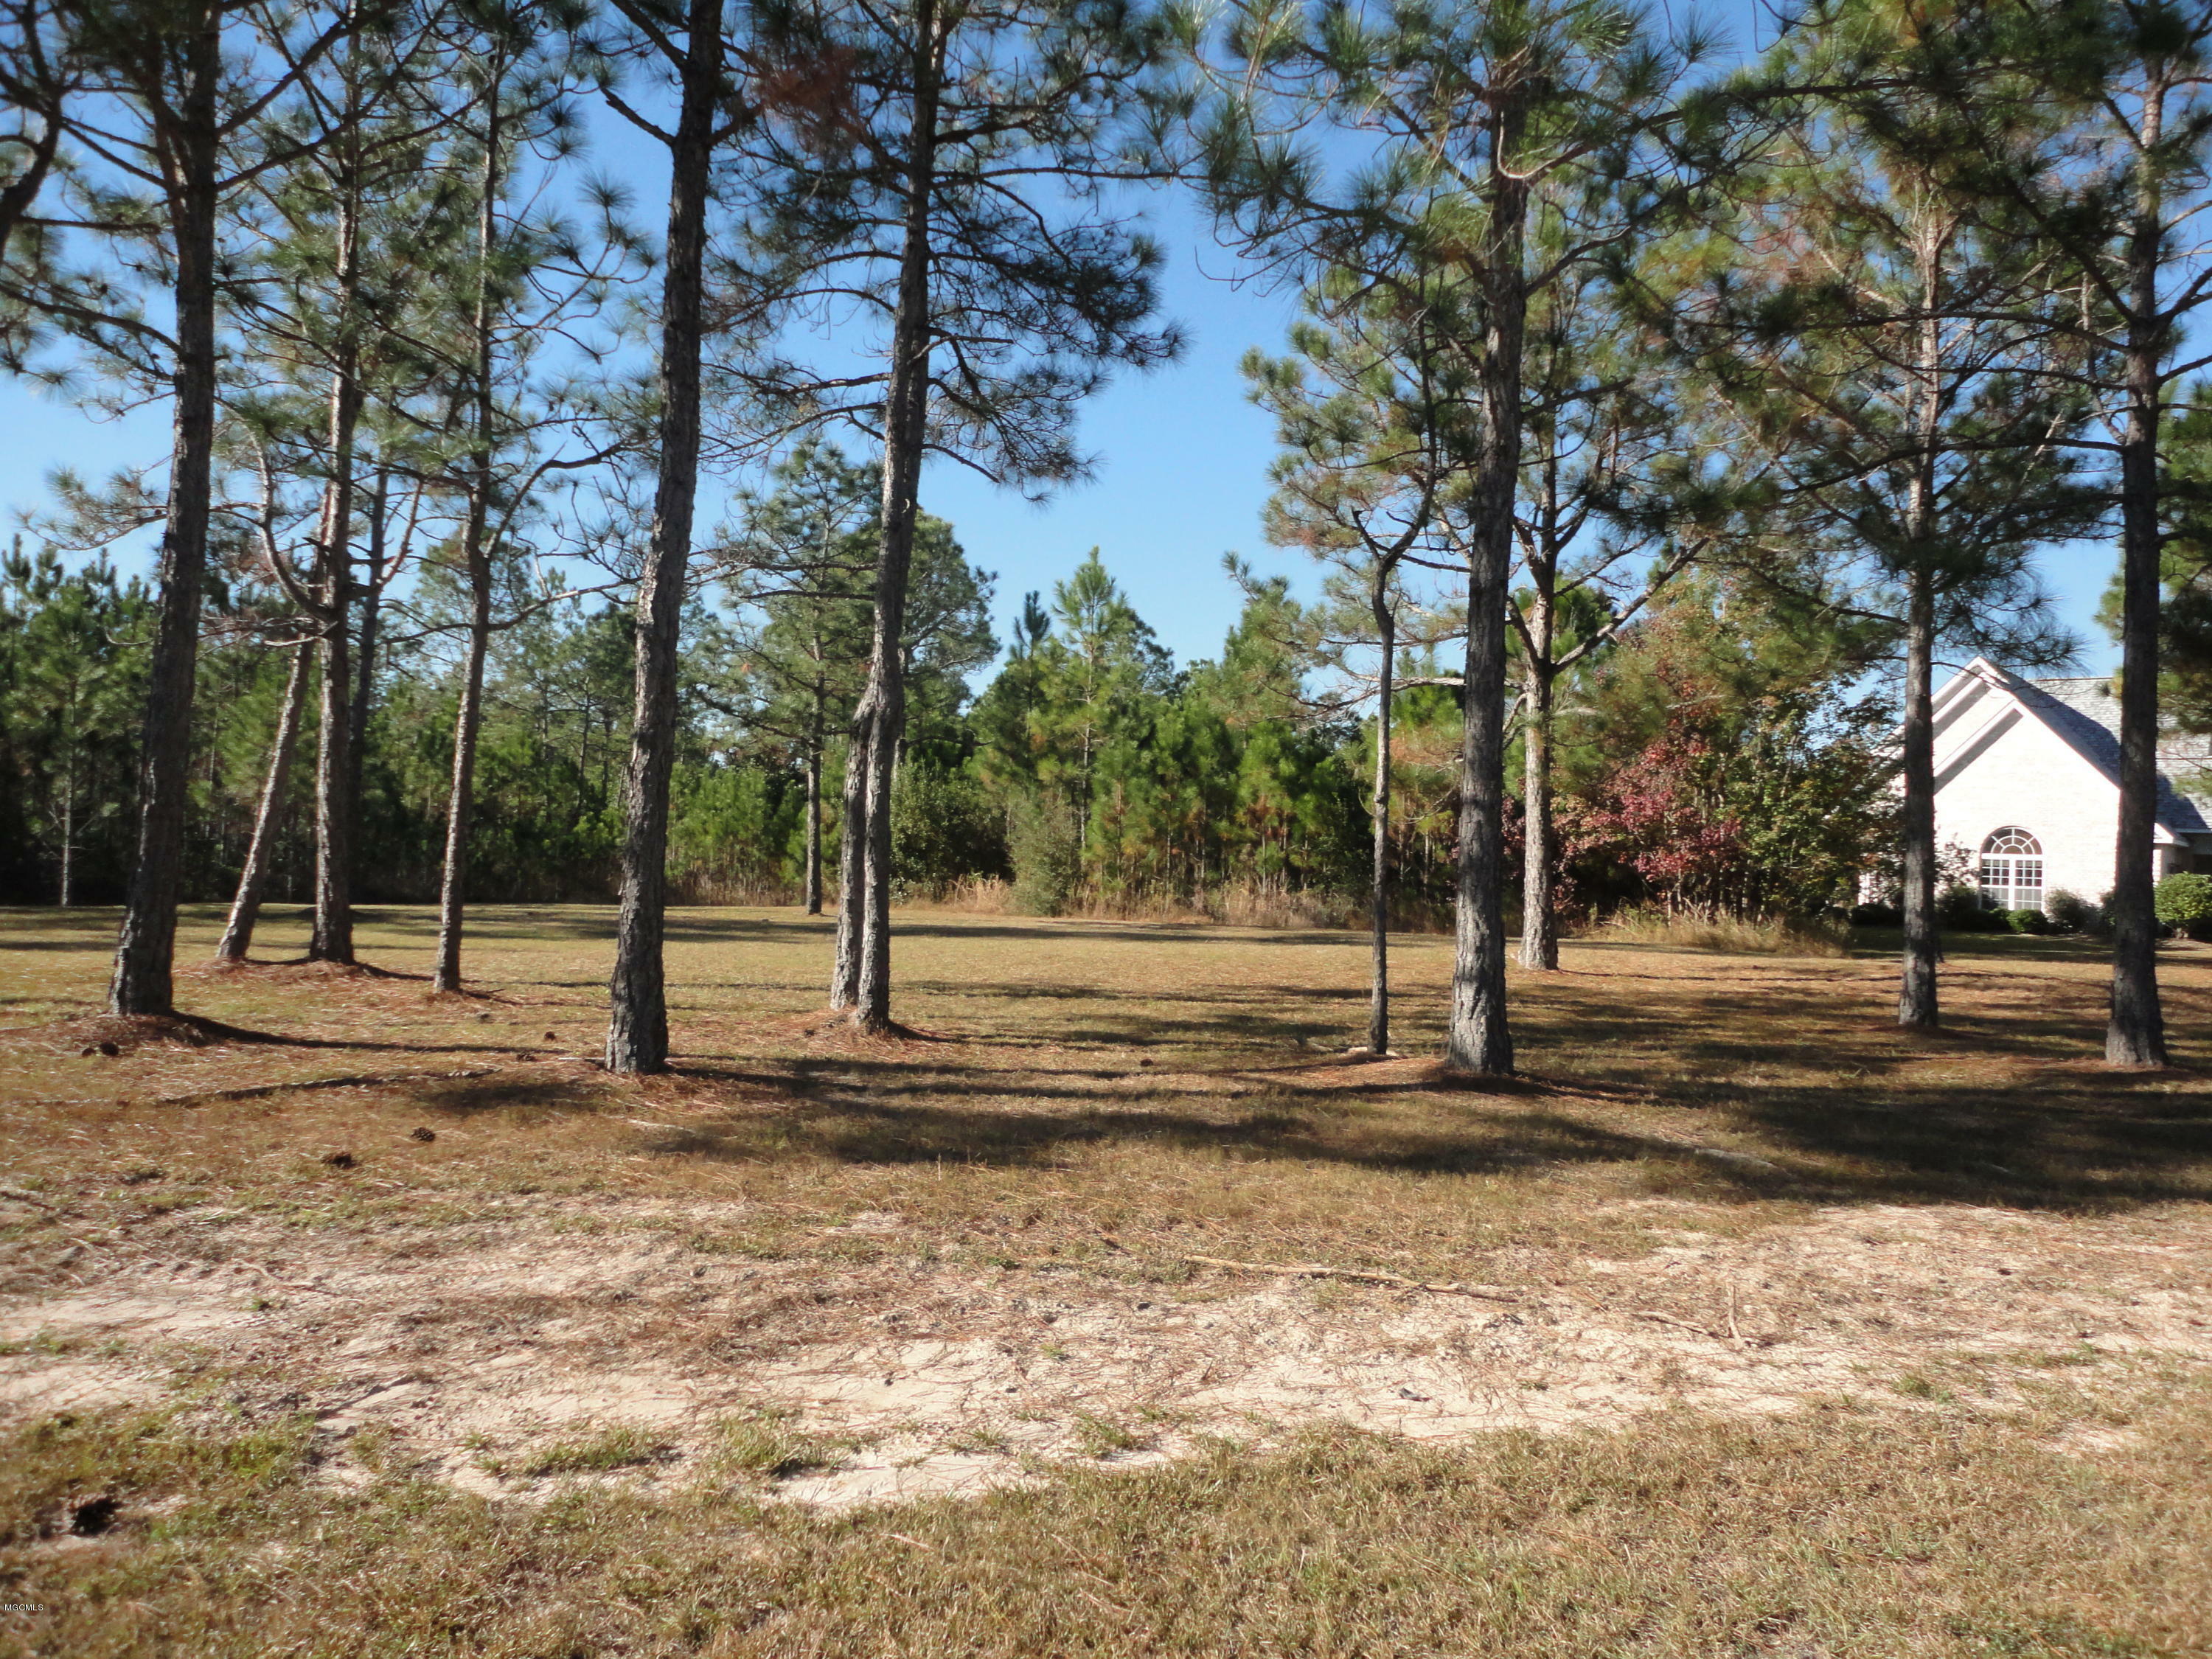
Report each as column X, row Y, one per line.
column 815, row 737
column 146, row 948
column 68, row 890
column 1378, row 995
column 1917, row 995
column 637, row 1023
column 2136, row 1036
column 332, row 939
column 851, row 870
column 1539, row 921
column 460, row 800
column 476, row 558
column 269, row 821
column 905, row 414
column 332, row 936
column 1478, row 1039
column 1540, row 854
column 372, row 624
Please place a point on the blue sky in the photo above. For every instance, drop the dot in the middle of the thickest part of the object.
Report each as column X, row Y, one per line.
column 1182, row 455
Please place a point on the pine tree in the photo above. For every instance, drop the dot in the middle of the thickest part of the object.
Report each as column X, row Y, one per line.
column 69, row 680
column 916, row 173
column 708, row 110
column 1617, row 498
column 1100, row 669
column 1372, row 412
column 803, row 555
column 268, row 816
column 798, row 656
column 348, row 242
column 518, row 274
column 1909, row 384
column 1474, row 118
column 2081, row 130
column 177, row 104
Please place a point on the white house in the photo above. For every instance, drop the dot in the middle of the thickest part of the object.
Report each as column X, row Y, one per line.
column 2028, row 781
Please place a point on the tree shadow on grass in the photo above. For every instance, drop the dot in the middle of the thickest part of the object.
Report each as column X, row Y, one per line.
column 199, row 1031
column 1881, row 1126
column 2074, row 1162
column 2092, row 1152
column 849, row 1129
column 2084, row 1142
column 541, row 1097
column 292, row 970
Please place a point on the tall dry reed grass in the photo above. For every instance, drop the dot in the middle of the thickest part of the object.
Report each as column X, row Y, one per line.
column 1776, row 936
column 1235, row 905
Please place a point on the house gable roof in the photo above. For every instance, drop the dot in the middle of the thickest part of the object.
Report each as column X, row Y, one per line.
column 2085, row 714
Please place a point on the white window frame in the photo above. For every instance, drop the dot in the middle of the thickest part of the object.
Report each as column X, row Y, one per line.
column 2009, row 873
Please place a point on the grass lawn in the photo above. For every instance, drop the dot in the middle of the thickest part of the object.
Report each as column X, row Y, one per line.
column 1114, row 1310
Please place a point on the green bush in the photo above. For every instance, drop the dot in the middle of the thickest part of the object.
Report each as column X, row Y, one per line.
column 1960, row 909
column 2070, row 913
column 1876, row 915
column 1048, row 855
column 945, row 829
column 2183, row 902
column 2027, row 921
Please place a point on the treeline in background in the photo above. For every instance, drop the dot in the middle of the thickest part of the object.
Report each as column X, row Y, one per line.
column 1706, row 767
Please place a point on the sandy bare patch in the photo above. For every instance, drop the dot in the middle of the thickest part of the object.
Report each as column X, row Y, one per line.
column 464, row 1349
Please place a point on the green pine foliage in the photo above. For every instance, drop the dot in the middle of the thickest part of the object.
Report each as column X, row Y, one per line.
column 72, row 680
column 2185, row 572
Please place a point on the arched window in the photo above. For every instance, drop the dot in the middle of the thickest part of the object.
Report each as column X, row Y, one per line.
column 2012, row 870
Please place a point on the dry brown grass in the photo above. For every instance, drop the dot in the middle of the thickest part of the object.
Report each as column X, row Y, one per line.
column 1867, row 1343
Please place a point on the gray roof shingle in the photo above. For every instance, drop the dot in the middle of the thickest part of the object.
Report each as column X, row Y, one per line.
column 2087, row 714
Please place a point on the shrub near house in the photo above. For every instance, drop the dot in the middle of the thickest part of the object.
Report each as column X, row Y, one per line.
column 2184, row 902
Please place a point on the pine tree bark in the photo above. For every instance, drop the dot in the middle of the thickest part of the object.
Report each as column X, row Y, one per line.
column 146, row 947
column 476, row 560
column 637, row 1024
column 331, row 939
column 269, row 819
column 1540, row 921
column 1917, row 1007
column 1478, row 1039
column 852, row 871
column 68, row 890
column 460, row 800
column 881, row 719
column 2135, row 1038
column 1378, row 995
column 815, row 737
column 1539, row 925
column 371, row 624
column 332, row 936
column 1916, row 993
